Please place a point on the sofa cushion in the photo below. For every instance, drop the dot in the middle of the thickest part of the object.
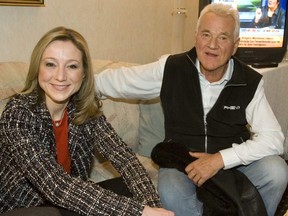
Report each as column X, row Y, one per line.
column 151, row 126
column 124, row 117
column 12, row 76
column 122, row 114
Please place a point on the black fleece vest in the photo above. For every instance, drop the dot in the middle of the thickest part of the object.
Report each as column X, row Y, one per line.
column 183, row 109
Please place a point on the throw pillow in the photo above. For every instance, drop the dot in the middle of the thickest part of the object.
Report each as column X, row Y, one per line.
column 151, row 126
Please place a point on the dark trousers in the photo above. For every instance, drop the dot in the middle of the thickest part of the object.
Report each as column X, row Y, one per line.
column 117, row 185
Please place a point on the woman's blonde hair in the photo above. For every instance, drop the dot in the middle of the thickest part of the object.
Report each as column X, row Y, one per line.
column 221, row 9
column 86, row 102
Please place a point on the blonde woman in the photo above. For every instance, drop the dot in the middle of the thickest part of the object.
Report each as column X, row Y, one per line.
column 48, row 135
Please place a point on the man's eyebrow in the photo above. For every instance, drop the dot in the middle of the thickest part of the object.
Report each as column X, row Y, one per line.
column 225, row 33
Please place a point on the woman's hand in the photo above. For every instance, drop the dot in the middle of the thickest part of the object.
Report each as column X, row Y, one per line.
column 148, row 211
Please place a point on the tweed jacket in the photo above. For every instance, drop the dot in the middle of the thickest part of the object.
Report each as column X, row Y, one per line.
column 30, row 175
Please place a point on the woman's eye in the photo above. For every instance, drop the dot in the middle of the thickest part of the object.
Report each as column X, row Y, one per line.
column 50, row 64
column 73, row 66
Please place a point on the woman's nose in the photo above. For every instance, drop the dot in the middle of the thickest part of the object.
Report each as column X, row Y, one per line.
column 60, row 74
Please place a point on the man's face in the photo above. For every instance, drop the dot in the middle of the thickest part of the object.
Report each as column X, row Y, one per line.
column 215, row 42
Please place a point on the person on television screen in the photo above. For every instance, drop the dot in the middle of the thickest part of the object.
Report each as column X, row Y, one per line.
column 209, row 98
column 270, row 16
column 49, row 133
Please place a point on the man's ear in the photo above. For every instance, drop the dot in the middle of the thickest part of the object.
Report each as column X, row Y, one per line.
column 236, row 44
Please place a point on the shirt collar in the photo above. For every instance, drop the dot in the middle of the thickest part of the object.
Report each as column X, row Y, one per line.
column 227, row 75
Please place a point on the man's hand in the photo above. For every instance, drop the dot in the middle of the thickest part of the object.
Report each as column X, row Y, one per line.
column 258, row 15
column 205, row 167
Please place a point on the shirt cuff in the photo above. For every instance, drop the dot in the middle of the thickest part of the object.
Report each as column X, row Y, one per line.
column 230, row 158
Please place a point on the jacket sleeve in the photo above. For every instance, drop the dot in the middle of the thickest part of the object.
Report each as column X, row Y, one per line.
column 267, row 138
column 111, row 146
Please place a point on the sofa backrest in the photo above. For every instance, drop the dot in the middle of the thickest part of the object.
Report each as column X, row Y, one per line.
column 141, row 123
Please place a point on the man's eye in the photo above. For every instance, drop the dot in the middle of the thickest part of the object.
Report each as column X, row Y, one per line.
column 223, row 38
column 205, row 35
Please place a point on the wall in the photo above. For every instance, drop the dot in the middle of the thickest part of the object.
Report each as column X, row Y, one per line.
column 127, row 30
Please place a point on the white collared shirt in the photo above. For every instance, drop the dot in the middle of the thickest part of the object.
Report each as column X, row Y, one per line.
column 211, row 91
column 144, row 82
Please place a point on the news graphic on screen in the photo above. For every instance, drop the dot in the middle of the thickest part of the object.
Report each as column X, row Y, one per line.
column 257, row 27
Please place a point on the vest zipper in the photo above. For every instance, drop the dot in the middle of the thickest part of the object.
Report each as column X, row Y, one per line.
column 205, row 128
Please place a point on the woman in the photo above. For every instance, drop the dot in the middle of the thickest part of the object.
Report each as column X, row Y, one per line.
column 48, row 134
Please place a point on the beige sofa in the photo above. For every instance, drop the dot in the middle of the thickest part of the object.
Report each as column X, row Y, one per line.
column 140, row 123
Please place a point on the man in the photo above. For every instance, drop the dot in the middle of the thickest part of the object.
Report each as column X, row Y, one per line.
column 209, row 97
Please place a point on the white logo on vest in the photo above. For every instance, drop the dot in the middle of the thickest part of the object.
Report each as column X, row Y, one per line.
column 231, row 107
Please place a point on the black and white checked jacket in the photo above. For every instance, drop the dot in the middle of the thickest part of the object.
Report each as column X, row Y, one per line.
column 30, row 175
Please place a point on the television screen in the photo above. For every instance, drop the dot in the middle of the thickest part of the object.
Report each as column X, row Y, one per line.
column 263, row 34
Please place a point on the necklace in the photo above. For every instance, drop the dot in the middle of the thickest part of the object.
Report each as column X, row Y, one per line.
column 59, row 122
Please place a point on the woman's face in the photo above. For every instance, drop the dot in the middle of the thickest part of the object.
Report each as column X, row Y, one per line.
column 61, row 72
